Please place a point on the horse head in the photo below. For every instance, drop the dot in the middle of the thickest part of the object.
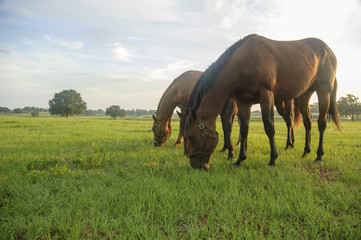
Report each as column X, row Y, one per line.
column 161, row 130
column 200, row 140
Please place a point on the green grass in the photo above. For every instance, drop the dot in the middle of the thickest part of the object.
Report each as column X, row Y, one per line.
column 95, row 178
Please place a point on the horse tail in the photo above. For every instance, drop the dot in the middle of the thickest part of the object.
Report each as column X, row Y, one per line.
column 297, row 115
column 333, row 110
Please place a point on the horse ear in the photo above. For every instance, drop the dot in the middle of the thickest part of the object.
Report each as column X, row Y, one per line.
column 194, row 114
column 180, row 115
column 154, row 117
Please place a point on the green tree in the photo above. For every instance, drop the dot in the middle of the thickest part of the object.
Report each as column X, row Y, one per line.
column 349, row 106
column 89, row 113
column 18, row 110
column 314, row 107
column 115, row 111
column 5, row 110
column 67, row 103
column 34, row 114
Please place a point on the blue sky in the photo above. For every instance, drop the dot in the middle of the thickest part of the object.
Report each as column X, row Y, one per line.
column 126, row 53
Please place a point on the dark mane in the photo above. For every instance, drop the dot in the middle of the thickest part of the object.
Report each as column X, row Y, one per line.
column 209, row 76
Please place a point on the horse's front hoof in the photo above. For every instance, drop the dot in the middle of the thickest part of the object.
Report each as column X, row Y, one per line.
column 236, row 165
column 272, row 164
column 319, row 161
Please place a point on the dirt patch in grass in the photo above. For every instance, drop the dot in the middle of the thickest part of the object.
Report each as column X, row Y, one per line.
column 324, row 174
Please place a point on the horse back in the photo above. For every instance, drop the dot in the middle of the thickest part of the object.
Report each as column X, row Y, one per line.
column 288, row 68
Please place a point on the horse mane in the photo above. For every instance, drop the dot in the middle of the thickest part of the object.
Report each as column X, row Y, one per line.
column 208, row 78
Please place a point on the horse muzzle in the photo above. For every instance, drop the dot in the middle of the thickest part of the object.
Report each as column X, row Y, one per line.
column 199, row 163
column 158, row 143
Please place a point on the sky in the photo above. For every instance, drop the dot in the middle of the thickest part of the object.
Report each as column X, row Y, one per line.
column 126, row 53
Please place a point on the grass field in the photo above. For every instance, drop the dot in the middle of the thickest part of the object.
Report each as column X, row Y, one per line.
column 95, row 178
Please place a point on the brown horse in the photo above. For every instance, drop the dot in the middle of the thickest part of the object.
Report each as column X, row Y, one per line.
column 176, row 95
column 259, row 70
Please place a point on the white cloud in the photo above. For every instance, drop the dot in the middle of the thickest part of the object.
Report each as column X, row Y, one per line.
column 26, row 13
column 171, row 69
column 121, row 53
column 73, row 45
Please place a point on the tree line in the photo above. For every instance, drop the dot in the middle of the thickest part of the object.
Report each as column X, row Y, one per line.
column 69, row 102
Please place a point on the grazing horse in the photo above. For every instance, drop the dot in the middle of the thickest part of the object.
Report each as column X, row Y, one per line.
column 178, row 93
column 260, row 70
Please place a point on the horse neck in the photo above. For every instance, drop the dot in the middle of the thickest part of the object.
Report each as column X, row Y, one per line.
column 166, row 106
column 212, row 104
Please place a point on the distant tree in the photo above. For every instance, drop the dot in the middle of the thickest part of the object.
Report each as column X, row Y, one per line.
column 100, row 112
column 67, row 103
column 115, row 111
column 34, row 114
column 141, row 112
column 131, row 112
column 89, row 113
column 152, row 112
column 5, row 110
column 349, row 106
column 18, row 110
column 30, row 109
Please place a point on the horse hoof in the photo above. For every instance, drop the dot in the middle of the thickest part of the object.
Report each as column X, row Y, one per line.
column 236, row 165
column 272, row 164
column 230, row 158
column 304, row 155
column 319, row 161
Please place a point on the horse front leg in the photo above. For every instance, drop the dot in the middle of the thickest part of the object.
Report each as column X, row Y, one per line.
column 244, row 113
column 225, row 132
column 179, row 139
column 227, row 117
column 304, row 108
column 180, row 135
column 267, row 109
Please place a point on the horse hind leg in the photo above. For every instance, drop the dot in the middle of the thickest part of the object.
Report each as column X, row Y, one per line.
column 323, row 105
column 284, row 108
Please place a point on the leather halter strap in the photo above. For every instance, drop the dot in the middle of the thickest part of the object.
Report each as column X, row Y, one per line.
column 206, row 132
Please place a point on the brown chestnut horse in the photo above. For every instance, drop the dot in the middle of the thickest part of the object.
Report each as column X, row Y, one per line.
column 178, row 93
column 259, row 70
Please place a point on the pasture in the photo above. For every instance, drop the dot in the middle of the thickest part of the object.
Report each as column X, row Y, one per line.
column 95, row 178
